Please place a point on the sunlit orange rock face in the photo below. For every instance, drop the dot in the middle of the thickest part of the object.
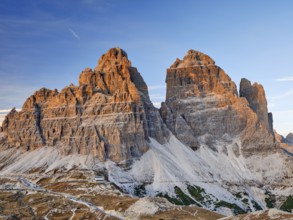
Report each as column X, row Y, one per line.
column 108, row 114
column 203, row 107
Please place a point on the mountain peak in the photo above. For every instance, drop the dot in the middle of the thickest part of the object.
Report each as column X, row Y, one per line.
column 108, row 115
column 193, row 58
column 256, row 97
column 113, row 57
column 205, row 136
column 116, row 53
column 202, row 100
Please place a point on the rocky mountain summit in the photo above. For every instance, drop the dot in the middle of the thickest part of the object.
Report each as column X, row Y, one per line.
column 109, row 114
column 202, row 107
column 208, row 145
column 289, row 139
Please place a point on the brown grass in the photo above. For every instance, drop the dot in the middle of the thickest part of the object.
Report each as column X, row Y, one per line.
column 186, row 213
column 110, row 202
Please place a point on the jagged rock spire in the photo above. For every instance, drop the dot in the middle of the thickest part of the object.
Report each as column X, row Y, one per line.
column 202, row 106
column 108, row 114
column 193, row 58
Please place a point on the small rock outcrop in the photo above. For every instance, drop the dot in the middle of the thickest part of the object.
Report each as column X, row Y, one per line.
column 289, row 139
column 256, row 98
column 109, row 114
column 202, row 107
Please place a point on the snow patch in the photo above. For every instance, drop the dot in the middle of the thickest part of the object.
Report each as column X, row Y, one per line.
column 45, row 159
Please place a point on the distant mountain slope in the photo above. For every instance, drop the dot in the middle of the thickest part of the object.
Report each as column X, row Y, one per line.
column 262, row 215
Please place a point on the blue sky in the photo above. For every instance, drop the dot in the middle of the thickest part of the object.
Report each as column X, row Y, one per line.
column 47, row 43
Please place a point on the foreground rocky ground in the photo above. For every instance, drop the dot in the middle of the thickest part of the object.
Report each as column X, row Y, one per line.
column 77, row 195
column 263, row 215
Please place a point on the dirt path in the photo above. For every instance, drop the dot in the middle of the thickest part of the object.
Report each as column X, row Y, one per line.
column 101, row 214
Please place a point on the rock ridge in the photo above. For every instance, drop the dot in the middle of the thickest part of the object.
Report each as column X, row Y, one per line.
column 255, row 95
column 203, row 108
column 193, row 58
column 109, row 114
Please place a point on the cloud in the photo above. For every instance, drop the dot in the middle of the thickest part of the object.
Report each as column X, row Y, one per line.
column 6, row 111
column 14, row 94
column 157, row 104
column 285, row 79
column 157, row 96
column 274, row 99
column 3, row 113
column 283, row 121
column 156, row 87
column 284, row 112
column 1, row 119
column 289, row 93
column 73, row 32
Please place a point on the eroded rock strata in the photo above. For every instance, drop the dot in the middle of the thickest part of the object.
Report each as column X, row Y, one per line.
column 109, row 114
column 207, row 145
column 203, row 107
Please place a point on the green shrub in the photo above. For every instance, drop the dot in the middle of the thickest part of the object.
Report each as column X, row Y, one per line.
column 245, row 200
column 238, row 195
column 288, row 204
column 140, row 190
column 170, row 199
column 256, row 205
column 186, row 200
column 270, row 202
column 236, row 209
column 196, row 192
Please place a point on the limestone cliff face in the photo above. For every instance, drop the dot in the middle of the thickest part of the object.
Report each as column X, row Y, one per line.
column 202, row 107
column 289, row 139
column 108, row 114
column 256, row 98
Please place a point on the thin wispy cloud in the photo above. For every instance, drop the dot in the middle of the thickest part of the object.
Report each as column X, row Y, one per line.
column 74, row 34
column 1, row 119
column 284, row 118
column 273, row 100
column 157, row 96
column 289, row 93
column 284, row 112
column 285, row 79
column 157, row 104
column 5, row 111
column 156, row 87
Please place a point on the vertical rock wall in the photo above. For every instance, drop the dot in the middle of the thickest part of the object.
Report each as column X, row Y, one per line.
column 108, row 114
column 202, row 106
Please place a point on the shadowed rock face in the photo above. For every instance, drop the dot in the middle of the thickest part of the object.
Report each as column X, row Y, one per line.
column 197, row 75
column 256, row 98
column 289, row 139
column 108, row 115
column 202, row 107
